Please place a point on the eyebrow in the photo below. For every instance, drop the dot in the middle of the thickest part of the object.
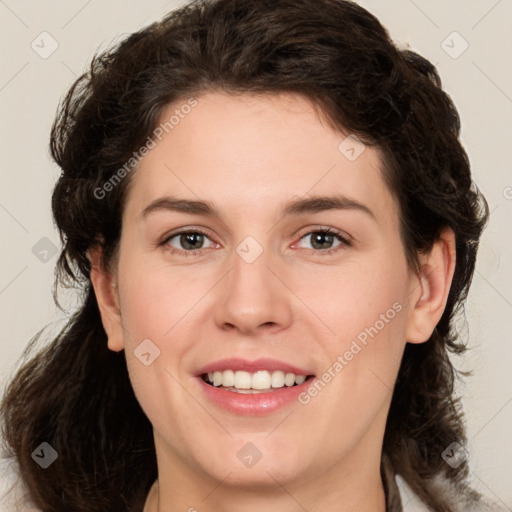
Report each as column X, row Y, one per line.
column 313, row 204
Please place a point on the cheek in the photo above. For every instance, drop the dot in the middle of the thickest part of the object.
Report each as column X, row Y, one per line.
column 155, row 299
column 358, row 295
column 154, row 303
column 364, row 308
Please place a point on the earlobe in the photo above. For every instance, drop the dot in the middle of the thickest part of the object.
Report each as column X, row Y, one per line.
column 432, row 286
column 106, row 292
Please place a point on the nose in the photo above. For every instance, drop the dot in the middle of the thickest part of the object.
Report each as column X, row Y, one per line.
column 254, row 297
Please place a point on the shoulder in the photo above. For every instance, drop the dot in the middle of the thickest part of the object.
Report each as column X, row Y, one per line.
column 411, row 503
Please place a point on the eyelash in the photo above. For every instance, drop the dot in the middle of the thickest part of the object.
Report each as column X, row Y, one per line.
column 330, row 231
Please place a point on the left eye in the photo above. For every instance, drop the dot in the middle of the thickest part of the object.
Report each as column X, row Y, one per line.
column 322, row 240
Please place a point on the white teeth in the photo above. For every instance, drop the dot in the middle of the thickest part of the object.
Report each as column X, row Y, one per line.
column 278, row 379
column 228, row 378
column 259, row 380
column 217, row 378
column 300, row 379
column 289, row 379
column 242, row 380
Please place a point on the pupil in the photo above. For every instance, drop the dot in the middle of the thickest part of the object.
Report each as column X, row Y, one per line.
column 318, row 238
column 187, row 240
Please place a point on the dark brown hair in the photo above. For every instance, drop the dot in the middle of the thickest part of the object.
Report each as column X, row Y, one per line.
column 75, row 394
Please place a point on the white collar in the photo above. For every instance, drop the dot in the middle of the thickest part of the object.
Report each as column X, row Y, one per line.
column 410, row 502
column 444, row 487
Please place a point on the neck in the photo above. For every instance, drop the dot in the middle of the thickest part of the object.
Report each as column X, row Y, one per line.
column 277, row 499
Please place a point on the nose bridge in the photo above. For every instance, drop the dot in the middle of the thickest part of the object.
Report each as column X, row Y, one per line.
column 252, row 295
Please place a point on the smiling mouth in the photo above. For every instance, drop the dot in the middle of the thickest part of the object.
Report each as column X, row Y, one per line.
column 261, row 381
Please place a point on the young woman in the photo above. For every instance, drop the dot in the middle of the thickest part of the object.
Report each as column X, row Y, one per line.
column 273, row 223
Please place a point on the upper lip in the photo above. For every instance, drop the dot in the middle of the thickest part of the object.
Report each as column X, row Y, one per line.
column 236, row 363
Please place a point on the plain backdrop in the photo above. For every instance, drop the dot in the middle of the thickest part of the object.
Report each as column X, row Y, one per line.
column 46, row 45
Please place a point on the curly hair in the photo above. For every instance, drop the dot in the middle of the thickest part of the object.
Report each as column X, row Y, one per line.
column 76, row 393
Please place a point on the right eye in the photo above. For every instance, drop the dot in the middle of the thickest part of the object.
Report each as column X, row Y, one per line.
column 186, row 242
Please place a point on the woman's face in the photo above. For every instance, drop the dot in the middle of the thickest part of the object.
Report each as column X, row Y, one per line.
column 265, row 293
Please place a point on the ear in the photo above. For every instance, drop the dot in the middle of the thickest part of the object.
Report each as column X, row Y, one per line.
column 105, row 289
column 431, row 287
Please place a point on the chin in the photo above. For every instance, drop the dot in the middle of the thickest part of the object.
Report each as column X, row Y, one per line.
column 254, row 461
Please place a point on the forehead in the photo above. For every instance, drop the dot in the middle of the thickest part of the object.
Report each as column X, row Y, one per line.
column 250, row 154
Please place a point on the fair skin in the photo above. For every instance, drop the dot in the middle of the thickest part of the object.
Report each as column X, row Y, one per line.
column 249, row 156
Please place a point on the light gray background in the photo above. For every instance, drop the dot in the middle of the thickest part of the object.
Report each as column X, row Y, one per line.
column 479, row 80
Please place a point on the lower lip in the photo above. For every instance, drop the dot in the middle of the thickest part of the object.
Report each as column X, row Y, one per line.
column 254, row 404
